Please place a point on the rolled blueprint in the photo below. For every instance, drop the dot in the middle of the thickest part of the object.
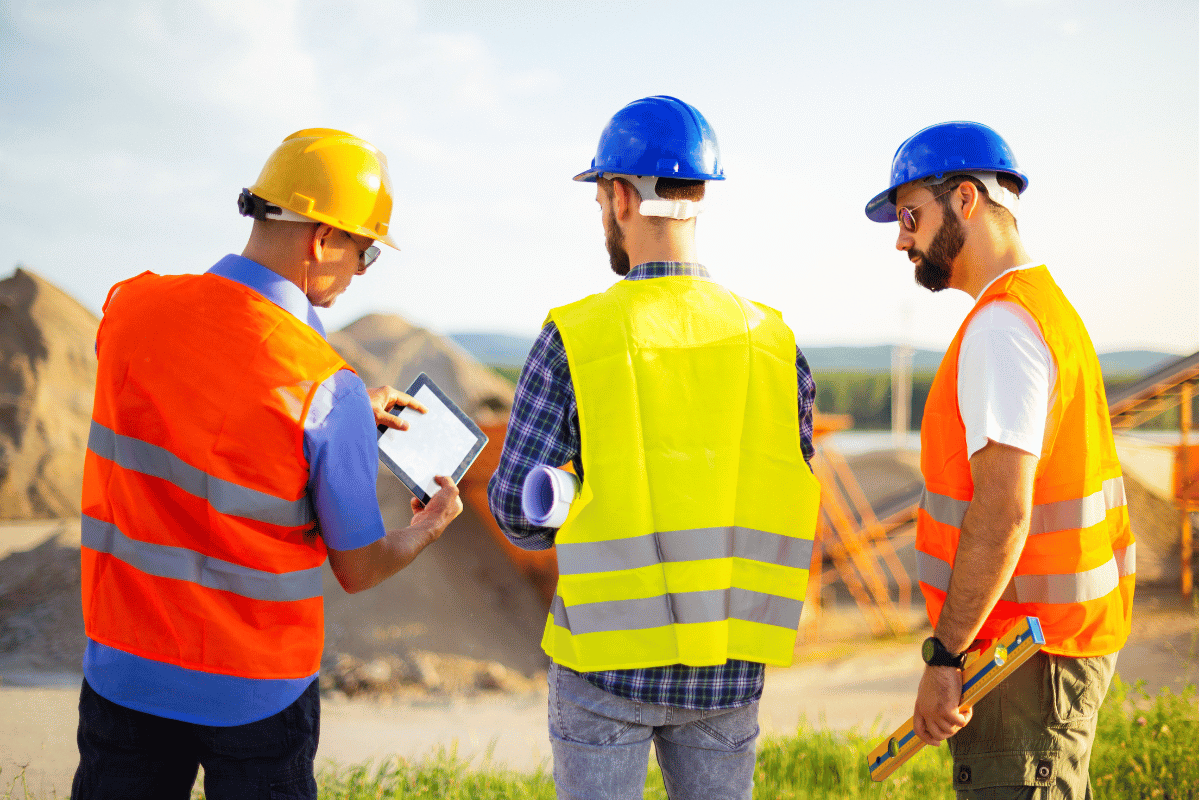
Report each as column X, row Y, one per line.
column 547, row 494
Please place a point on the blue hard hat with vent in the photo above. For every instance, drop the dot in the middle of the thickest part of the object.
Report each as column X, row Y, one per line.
column 941, row 150
column 657, row 136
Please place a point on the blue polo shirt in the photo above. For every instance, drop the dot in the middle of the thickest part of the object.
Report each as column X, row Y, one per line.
column 341, row 445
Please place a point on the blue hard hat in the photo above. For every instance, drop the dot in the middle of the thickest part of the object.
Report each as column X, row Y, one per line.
column 659, row 136
column 940, row 150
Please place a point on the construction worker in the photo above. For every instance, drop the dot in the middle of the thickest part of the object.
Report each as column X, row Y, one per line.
column 231, row 450
column 687, row 412
column 1024, row 507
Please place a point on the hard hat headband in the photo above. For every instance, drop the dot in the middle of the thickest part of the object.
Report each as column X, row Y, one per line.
column 996, row 192
column 651, row 204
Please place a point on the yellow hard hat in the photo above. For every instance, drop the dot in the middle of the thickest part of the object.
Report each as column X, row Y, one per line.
column 329, row 176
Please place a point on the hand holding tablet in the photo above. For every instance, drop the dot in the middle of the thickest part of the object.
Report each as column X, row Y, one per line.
column 442, row 441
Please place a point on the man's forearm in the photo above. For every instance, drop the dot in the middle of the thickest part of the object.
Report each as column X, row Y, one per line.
column 367, row 566
column 987, row 555
column 990, row 541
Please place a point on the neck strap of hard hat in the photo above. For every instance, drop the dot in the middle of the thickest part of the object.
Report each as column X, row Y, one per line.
column 996, row 192
column 654, row 206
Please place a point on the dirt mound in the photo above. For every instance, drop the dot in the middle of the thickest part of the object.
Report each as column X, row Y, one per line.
column 461, row 597
column 47, row 379
column 1156, row 527
column 41, row 621
column 386, row 349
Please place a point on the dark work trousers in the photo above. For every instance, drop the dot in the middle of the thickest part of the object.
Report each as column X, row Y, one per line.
column 130, row 754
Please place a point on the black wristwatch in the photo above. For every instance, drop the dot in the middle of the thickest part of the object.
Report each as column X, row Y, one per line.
column 936, row 654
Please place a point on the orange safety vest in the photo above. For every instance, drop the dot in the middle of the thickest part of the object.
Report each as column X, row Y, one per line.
column 200, row 546
column 1076, row 571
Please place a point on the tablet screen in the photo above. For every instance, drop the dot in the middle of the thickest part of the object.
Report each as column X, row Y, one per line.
column 442, row 441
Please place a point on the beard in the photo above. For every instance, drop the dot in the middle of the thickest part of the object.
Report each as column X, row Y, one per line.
column 614, row 242
column 935, row 267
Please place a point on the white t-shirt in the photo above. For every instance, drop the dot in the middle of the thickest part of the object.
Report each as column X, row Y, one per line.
column 1006, row 376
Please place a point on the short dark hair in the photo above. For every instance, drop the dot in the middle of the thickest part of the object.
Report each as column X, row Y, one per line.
column 998, row 212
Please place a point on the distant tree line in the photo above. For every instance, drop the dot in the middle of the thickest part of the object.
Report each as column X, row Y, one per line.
column 867, row 396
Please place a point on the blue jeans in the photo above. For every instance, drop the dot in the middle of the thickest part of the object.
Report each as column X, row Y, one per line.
column 601, row 745
column 129, row 754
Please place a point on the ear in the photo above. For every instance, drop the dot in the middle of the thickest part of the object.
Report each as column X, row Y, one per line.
column 625, row 200
column 969, row 199
column 320, row 241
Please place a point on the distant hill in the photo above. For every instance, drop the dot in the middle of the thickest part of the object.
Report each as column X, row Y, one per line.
column 494, row 349
column 387, row 349
column 1121, row 363
column 506, row 350
column 1133, row 362
column 865, row 359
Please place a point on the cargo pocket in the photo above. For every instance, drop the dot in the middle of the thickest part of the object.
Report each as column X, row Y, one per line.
column 1078, row 686
column 1005, row 769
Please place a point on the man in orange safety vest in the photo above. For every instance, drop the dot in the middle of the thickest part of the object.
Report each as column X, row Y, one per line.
column 1024, row 507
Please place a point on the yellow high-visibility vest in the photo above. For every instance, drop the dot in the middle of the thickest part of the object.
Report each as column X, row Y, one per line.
column 691, row 538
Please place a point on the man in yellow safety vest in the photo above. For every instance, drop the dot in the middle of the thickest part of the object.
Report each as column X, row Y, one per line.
column 687, row 413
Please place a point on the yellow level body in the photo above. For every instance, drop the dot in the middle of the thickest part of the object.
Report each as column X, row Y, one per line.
column 980, row 676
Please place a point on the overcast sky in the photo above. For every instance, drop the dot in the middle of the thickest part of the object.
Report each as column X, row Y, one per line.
column 128, row 128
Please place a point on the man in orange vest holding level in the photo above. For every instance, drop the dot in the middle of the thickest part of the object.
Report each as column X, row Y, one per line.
column 232, row 450
column 1024, row 508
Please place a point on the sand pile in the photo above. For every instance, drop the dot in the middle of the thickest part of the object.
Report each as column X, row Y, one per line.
column 448, row 620
column 461, row 617
column 47, row 379
column 386, row 349
column 41, row 621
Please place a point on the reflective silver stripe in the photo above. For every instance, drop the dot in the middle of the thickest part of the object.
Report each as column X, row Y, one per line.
column 1078, row 587
column 182, row 564
column 1046, row 517
column 1114, row 492
column 943, row 509
column 226, row 497
column 932, row 571
column 1126, row 560
column 1075, row 587
column 696, row 544
column 678, row 608
column 1068, row 515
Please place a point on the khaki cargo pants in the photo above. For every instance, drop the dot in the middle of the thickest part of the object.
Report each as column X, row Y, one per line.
column 1031, row 736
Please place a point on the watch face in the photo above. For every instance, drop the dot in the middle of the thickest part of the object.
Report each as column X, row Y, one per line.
column 928, row 648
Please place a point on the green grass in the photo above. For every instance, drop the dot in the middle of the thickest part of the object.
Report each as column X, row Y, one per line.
column 1146, row 747
column 443, row 776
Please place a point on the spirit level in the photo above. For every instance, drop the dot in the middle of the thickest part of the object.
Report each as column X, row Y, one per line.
column 981, row 675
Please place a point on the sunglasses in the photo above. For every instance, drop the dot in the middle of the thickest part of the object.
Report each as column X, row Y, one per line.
column 365, row 257
column 905, row 215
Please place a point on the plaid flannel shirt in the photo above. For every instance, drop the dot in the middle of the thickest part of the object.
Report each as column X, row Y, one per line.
column 544, row 429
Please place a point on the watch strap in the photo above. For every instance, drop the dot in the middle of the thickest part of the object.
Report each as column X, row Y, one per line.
column 935, row 654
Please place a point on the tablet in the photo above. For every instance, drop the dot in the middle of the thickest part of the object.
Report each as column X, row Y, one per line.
column 442, row 441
